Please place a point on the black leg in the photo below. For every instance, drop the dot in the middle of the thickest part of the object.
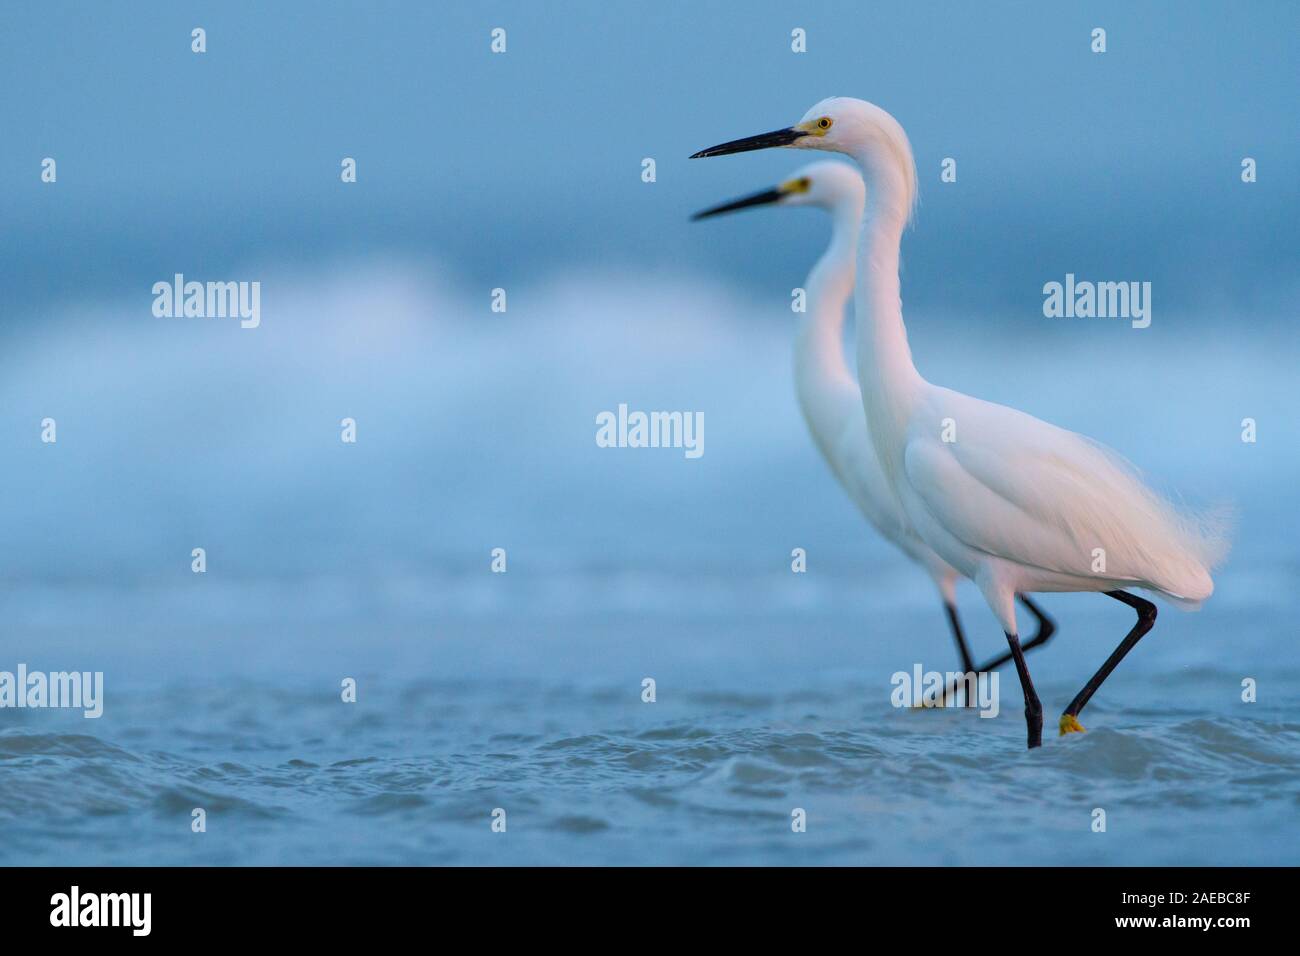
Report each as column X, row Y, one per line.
column 1146, row 612
column 1033, row 709
column 962, row 650
column 1046, row 628
column 967, row 662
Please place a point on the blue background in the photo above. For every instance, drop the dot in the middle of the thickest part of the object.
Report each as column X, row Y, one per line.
column 476, row 429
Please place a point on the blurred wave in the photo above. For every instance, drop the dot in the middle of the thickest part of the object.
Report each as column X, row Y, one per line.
column 476, row 429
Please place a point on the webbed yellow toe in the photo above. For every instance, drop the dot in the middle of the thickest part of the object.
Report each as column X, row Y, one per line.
column 1070, row 725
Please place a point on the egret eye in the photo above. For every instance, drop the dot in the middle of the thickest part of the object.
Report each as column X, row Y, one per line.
column 824, row 122
column 803, row 184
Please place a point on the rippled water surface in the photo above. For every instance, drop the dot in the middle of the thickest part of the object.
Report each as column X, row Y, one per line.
column 756, row 715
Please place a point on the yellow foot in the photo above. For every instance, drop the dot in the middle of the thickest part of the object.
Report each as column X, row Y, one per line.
column 1069, row 725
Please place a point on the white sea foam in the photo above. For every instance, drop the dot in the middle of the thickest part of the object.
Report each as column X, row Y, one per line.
column 474, row 427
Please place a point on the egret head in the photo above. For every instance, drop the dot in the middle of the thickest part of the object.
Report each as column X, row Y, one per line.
column 857, row 128
column 825, row 184
column 839, row 124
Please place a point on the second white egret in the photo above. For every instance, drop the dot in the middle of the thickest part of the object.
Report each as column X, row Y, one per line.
column 828, row 394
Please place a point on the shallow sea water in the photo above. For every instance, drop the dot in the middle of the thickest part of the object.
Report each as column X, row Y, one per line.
column 756, row 715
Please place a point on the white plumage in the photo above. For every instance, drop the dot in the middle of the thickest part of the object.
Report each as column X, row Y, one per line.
column 1012, row 502
column 829, row 396
column 1056, row 511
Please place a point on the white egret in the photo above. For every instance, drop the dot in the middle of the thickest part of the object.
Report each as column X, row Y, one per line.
column 1016, row 504
column 828, row 394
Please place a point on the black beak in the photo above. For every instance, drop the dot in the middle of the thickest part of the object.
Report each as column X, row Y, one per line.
column 758, row 199
column 778, row 137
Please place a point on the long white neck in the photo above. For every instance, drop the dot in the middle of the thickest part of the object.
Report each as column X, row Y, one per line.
column 828, row 394
column 889, row 380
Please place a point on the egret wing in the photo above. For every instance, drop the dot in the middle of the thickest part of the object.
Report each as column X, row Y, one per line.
column 1019, row 488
